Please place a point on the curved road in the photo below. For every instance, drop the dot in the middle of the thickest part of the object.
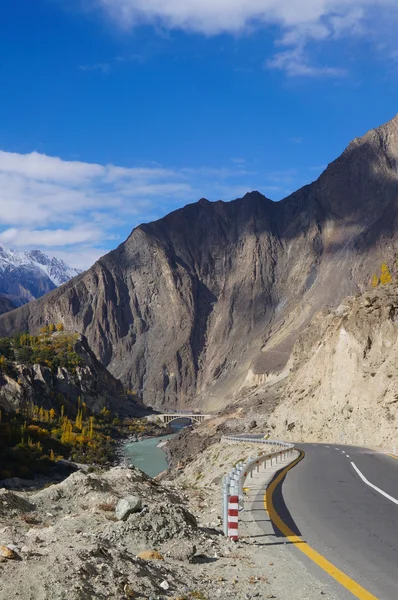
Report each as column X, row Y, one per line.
column 325, row 501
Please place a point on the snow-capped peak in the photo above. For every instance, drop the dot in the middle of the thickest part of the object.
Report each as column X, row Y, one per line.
column 54, row 268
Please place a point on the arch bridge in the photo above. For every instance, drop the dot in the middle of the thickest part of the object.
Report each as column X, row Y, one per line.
column 167, row 418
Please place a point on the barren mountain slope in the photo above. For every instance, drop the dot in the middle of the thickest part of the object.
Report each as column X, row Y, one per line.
column 344, row 378
column 5, row 304
column 212, row 297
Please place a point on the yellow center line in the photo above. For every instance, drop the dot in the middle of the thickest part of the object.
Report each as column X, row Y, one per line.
column 392, row 456
column 352, row 586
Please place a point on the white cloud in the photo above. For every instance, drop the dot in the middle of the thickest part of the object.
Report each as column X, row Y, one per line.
column 295, row 63
column 80, row 209
column 300, row 21
column 50, row 237
column 103, row 67
column 231, row 16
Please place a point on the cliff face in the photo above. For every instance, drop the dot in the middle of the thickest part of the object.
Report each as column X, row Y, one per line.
column 211, row 298
column 22, row 384
column 343, row 384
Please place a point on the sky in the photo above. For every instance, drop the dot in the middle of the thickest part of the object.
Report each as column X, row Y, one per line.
column 116, row 112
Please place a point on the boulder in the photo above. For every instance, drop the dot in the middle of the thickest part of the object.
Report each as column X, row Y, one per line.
column 6, row 552
column 127, row 506
column 150, row 555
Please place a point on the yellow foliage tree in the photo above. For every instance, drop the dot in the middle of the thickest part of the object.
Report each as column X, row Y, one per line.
column 67, row 432
column 91, row 431
column 375, row 281
column 60, row 326
column 79, row 420
column 385, row 276
column 51, row 328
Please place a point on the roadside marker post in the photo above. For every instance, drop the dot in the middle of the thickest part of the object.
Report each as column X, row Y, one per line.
column 233, row 514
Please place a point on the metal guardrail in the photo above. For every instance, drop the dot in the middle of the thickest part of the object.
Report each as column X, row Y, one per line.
column 233, row 482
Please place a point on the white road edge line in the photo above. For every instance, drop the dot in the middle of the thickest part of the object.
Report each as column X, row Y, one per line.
column 373, row 486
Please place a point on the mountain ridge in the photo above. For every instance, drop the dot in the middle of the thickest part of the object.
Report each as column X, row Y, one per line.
column 25, row 276
column 210, row 299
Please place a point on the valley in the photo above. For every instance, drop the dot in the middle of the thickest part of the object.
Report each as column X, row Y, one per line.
column 269, row 318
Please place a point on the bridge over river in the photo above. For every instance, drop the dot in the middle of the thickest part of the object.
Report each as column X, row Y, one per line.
column 167, row 418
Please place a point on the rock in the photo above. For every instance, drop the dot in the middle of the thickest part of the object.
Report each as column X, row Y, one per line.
column 180, row 549
column 165, row 585
column 127, row 506
column 150, row 555
column 6, row 552
column 14, row 483
column 12, row 502
column 128, row 590
column 165, row 521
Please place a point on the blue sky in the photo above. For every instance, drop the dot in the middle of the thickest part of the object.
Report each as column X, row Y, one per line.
column 115, row 112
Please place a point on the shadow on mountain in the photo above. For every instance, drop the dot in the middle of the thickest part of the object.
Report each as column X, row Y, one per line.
column 216, row 286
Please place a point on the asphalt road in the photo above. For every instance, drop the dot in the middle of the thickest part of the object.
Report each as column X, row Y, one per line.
column 324, row 501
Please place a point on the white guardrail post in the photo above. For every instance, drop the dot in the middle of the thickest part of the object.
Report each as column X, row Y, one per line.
column 226, row 487
column 232, row 484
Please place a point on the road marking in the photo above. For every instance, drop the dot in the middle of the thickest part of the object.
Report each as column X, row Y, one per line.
column 327, row 446
column 393, row 456
column 336, row 448
column 347, row 455
column 373, row 486
column 352, row 586
column 343, row 451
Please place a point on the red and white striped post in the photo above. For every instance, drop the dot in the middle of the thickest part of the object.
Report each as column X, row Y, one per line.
column 233, row 514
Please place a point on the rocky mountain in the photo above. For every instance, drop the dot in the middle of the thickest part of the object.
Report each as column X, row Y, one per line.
column 6, row 305
column 209, row 301
column 25, row 276
column 342, row 383
column 25, row 381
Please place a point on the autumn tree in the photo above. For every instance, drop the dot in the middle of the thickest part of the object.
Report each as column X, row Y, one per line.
column 79, row 420
column 375, row 281
column 91, row 431
column 385, row 276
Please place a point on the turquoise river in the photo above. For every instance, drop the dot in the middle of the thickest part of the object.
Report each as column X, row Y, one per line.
column 147, row 456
